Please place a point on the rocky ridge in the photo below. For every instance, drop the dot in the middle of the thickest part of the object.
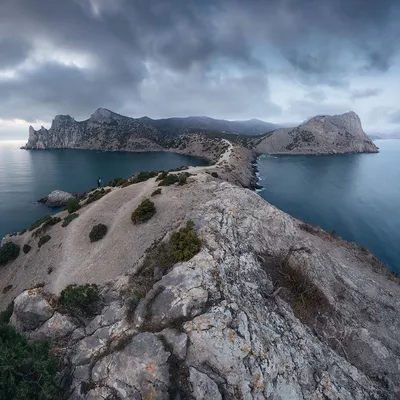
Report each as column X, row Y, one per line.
column 323, row 134
column 270, row 308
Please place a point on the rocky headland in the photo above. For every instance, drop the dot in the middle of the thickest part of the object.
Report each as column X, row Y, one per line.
column 202, row 290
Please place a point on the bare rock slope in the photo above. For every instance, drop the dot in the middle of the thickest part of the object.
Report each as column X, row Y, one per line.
column 270, row 308
column 323, row 134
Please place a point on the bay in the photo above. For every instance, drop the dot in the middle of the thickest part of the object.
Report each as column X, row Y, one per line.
column 357, row 195
column 26, row 176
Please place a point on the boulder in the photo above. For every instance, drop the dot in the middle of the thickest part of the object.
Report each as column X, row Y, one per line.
column 31, row 310
column 58, row 326
column 57, row 198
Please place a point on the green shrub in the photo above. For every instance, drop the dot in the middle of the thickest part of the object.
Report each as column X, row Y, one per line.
column 85, row 298
column 97, row 232
column 156, row 192
column 162, row 176
column 68, row 219
column 43, row 240
column 8, row 252
column 28, row 371
column 214, row 174
column 115, row 182
column 6, row 314
column 97, row 195
column 26, row 249
column 50, row 222
column 143, row 212
column 170, row 179
column 144, row 176
column 72, row 205
column 22, row 232
column 39, row 222
column 183, row 177
column 185, row 243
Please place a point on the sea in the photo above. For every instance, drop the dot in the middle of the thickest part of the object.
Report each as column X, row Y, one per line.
column 28, row 175
column 357, row 195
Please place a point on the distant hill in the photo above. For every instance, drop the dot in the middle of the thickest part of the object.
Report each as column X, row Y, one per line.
column 249, row 127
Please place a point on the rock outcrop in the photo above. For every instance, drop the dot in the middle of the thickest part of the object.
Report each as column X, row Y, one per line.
column 323, row 134
column 270, row 308
column 57, row 198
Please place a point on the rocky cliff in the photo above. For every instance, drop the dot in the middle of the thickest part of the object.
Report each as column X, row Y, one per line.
column 323, row 134
column 269, row 308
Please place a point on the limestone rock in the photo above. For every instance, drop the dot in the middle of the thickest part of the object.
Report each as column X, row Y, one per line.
column 31, row 310
column 58, row 326
column 57, row 198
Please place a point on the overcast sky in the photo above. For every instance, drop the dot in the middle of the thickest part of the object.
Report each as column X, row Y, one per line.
column 278, row 60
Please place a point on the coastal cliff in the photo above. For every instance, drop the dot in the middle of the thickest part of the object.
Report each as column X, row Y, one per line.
column 106, row 130
column 266, row 307
column 324, row 134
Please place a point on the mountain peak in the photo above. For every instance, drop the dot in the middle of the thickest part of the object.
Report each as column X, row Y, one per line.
column 102, row 114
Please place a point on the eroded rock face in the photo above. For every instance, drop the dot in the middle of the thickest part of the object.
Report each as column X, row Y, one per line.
column 266, row 310
column 323, row 134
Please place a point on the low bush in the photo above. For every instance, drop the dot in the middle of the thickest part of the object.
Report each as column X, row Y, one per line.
column 97, row 195
column 7, row 288
column 72, row 205
column 8, row 252
column 156, row 192
column 97, row 232
column 68, row 219
column 162, row 175
column 214, row 174
column 143, row 212
column 39, row 222
column 50, row 222
column 43, row 240
column 6, row 314
column 115, row 182
column 84, row 298
column 144, row 176
column 22, row 232
column 185, row 243
column 183, row 178
column 26, row 249
column 170, row 179
column 28, row 371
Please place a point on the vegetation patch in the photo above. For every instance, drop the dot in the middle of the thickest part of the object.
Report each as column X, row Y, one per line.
column 162, row 175
column 97, row 195
column 68, row 219
column 144, row 176
column 43, row 240
column 28, row 371
column 6, row 315
column 8, row 252
column 156, row 192
column 22, row 232
column 83, row 298
column 143, row 212
column 51, row 222
column 39, row 222
column 214, row 174
column 183, row 178
column 170, row 179
column 160, row 257
column 7, row 288
column 27, row 248
column 72, row 205
column 97, row 232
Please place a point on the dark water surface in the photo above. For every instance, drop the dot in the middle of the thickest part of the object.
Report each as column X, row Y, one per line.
column 357, row 195
column 26, row 176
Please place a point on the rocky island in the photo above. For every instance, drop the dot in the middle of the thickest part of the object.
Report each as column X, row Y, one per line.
column 186, row 285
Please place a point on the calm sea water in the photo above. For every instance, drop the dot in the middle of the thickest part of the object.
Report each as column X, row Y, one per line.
column 26, row 176
column 357, row 195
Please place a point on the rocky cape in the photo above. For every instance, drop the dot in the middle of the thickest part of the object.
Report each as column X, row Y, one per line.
column 270, row 308
column 323, row 134
column 105, row 130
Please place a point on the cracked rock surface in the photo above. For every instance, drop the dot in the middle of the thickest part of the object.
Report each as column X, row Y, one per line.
column 266, row 310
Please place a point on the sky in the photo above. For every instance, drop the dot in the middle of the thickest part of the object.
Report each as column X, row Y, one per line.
column 281, row 61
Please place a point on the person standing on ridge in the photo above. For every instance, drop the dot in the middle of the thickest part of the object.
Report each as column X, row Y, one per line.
column 99, row 182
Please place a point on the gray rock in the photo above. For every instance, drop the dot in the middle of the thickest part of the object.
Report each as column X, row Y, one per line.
column 177, row 341
column 141, row 365
column 57, row 198
column 203, row 386
column 58, row 326
column 31, row 310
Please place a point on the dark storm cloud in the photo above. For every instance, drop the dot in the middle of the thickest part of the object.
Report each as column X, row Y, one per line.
column 183, row 56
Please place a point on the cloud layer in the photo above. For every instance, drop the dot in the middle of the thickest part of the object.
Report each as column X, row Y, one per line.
column 278, row 60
